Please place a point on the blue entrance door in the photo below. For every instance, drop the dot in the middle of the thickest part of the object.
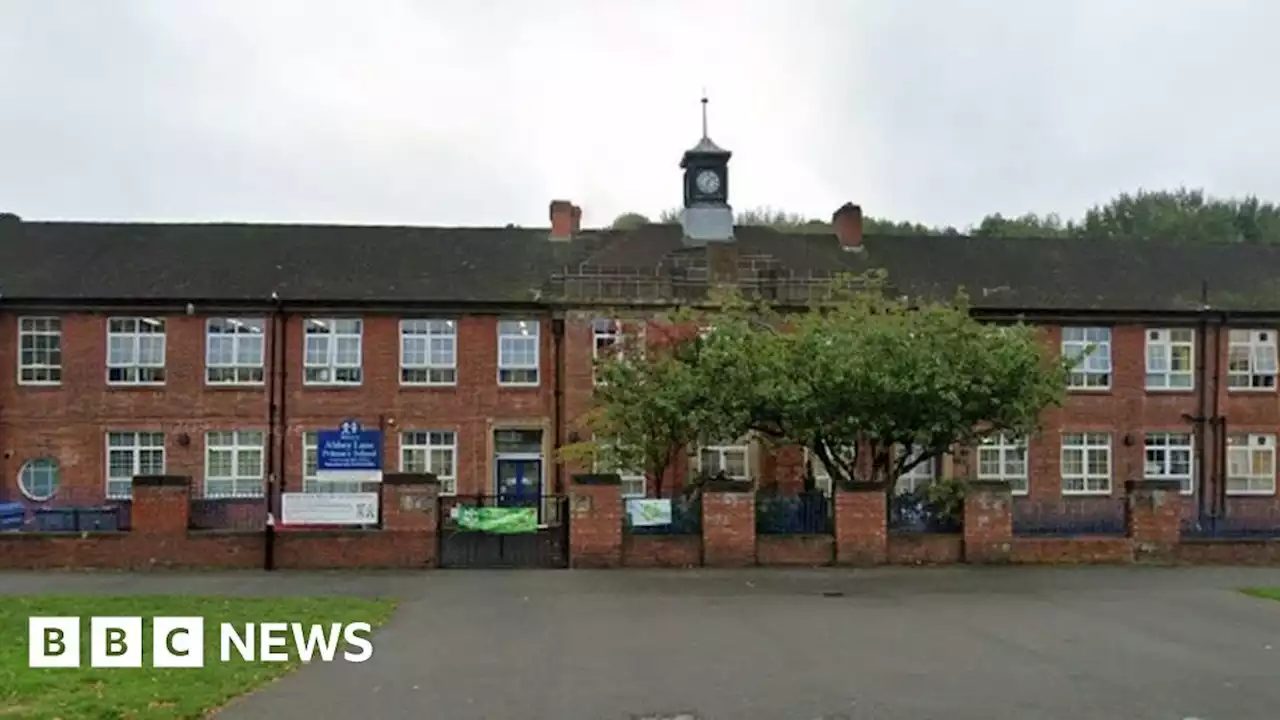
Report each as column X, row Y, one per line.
column 519, row 482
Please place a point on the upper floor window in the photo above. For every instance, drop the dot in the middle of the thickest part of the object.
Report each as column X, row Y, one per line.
column 1251, row 464
column 130, row 454
column 333, row 351
column 434, row 452
column 235, row 349
column 920, row 475
column 1251, row 360
column 1169, row 458
column 518, row 352
column 135, row 351
column 606, row 338
column 1170, row 363
column 1090, row 350
column 233, row 465
column 1086, row 463
column 1004, row 457
column 428, row 352
column 39, row 350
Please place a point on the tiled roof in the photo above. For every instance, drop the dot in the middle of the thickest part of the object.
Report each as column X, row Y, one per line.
column 352, row 264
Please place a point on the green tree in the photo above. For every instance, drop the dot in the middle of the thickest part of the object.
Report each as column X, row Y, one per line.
column 651, row 403
column 1183, row 215
column 872, row 378
column 790, row 222
column 1029, row 225
column 629, row 221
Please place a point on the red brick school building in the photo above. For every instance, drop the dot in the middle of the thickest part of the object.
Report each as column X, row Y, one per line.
column 207, row 357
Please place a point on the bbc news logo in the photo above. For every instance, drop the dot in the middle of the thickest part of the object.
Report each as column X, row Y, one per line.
column 178, row 642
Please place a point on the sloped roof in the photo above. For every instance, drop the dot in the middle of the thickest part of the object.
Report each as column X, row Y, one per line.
column 72, row 261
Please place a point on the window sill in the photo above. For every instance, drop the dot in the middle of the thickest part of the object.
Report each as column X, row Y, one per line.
column 40, row 385
column 332, row 386
column 1085, row 493
column 519, row 386
column 413, row 387
column 1170, row 391
column 135, row 386
column 243, row 387
column 1090, row 391
column 1252, row 391
column 1251, row 493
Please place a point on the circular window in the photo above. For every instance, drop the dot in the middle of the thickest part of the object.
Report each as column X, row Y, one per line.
column 39, row 479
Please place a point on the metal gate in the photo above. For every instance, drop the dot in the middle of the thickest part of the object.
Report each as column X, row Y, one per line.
column 547, row 547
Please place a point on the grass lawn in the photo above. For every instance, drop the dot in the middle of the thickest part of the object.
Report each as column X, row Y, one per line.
column 152, row 693
column 1269, row 593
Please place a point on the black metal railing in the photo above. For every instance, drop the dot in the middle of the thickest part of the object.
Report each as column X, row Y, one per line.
column 807, row 513
column 1070, row 517
column 686, row 517
column 68, row 509
column 913, row 513
column 230, row 513
column 1240, row 521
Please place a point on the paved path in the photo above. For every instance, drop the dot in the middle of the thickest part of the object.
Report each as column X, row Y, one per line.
column 910, row 644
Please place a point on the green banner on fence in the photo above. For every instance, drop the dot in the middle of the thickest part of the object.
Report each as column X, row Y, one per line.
column 498, row 520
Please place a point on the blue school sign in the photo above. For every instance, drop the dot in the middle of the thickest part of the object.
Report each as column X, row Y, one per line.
column 350, row 448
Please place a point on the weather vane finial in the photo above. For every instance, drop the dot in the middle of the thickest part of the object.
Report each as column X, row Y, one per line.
column 704, row 112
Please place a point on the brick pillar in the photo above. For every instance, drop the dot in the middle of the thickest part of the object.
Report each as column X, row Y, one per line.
column 411, row 508
column 988, row 522
column 728, row 524
column 161, row 505
column 861, row 522
column 1154, row 518
column 595, row 521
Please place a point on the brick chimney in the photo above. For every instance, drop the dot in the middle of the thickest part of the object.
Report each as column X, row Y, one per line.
column 847, row 222
column 566, row 220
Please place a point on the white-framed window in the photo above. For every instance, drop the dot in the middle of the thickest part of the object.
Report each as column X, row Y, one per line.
column 130, row 454
column 1090, row 348
column 1169, row 457
column 1171, row 359
column 235, row 351
column 428, row 352
column 333, row 351
column 518, row 352
column 606, row 339
column 822, row 479
column 135, row 351
column 917, row 477
column 633, row 481
column 39, row 350
column 1086, row 463
column 732, row 459
column 1251, row 360
column 233, row 464
column 39, row 479
column 311, row 480
column 1251, row 464
column 431, row 451
column 1004, row 457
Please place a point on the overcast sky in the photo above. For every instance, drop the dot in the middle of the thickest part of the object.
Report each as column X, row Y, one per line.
column 481, row 111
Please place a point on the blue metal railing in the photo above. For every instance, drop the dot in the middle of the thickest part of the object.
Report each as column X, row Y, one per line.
column 807, row 513
column 1070, row 517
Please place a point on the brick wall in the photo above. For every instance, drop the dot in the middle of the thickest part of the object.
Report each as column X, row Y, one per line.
column 861, row 533
column 988, row 522
column 661, row 551
column 1071, row 551
column 925, row 548
column 159, row 537
column 595, row 521
column 728, row 525
column 807, row 550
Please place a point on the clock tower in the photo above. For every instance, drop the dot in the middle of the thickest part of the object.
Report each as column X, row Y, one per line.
column 707, row 216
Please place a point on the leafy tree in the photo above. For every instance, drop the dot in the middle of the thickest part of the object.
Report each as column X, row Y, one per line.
column 651, row 404
column 789, row 222
column 629, row 221
column 1029, row 225
column 854, row 379
column 1183, row 215
column 869, row 374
